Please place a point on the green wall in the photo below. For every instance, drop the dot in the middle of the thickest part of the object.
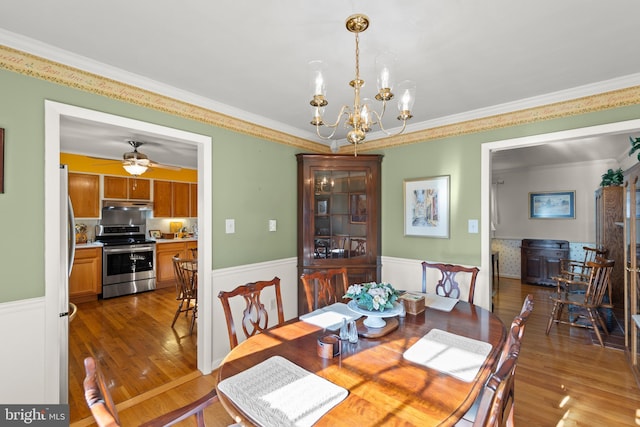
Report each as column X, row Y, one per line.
column 253, row 181
column 458, row 157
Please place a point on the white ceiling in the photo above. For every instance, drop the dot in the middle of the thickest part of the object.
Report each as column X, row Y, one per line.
column 249, row 59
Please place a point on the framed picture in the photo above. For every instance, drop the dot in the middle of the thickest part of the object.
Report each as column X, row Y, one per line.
column 426, row 207
column 156, row 234
column 1, row 160
column 552, row 205
column 358, row 208
column 322, row 207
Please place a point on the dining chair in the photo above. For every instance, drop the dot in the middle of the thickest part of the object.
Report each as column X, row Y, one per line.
column 447, row 284
column 324, row 287
column 255, row 318
column 105, row 413
column 495, row 405
column 588, row 301
column 186, row 274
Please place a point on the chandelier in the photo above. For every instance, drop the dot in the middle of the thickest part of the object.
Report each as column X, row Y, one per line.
column 360, row 117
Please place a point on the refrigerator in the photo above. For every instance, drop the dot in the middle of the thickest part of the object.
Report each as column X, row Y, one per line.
column 67, row 252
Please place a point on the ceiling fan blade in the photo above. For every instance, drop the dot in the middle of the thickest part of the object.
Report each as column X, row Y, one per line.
column 161, row 166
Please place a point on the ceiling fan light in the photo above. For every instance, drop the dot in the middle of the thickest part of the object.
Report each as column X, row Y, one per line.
column 135, row 169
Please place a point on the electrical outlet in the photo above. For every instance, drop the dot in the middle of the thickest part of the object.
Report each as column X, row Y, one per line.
column 473, row 226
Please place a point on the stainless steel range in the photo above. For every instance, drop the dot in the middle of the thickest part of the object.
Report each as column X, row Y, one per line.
column 128, row 258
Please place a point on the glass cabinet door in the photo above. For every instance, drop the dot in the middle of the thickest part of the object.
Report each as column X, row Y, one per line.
column 632, row 269
column 340, row 214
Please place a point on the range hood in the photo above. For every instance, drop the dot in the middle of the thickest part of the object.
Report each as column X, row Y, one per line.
column 127, row 205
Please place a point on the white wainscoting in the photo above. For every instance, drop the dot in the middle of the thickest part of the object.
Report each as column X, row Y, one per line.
column 22, row 358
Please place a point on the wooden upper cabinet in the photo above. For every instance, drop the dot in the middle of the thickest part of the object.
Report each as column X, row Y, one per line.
column 115, row 187
column 84, row 190
column 118, row 187
column 162, row 198
column 194, row 200
column 139, row 189
column 181, row 194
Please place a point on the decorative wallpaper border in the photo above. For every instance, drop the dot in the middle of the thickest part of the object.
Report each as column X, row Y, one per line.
column 41, row 68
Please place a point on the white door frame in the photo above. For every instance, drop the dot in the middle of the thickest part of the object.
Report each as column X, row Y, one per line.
column 629, row 126
column 53, row 113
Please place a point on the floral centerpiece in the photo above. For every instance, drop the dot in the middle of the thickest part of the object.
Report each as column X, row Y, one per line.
column 373, row 296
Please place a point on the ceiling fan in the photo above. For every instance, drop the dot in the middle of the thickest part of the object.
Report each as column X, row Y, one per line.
column 137, row 163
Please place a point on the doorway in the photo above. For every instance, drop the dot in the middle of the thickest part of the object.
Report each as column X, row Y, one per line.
column 54, row 113
column 630, row 126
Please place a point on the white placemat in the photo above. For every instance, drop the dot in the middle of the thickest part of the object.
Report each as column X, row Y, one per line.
column 439, row 302
column 452, row 354
column 277, row 392
column 330, row 317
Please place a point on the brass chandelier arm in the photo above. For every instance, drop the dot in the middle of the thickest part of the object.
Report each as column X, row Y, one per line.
column 343, row 111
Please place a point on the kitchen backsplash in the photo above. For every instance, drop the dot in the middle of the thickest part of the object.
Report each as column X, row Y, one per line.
column 162, row 224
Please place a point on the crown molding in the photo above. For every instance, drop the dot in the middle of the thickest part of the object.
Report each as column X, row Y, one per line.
column 149, row 94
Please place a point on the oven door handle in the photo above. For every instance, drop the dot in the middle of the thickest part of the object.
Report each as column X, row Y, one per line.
column 128, row 249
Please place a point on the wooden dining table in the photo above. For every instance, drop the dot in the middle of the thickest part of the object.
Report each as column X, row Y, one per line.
column 383, row 387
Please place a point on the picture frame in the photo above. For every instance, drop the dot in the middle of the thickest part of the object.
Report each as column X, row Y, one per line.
column 426, row 207
column 155, row 234
column 552, row 205
column 1, row 160
column 322, row 207
column 358, row 208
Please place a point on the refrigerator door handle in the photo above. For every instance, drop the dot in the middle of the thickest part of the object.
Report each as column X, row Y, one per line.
column 72, row 235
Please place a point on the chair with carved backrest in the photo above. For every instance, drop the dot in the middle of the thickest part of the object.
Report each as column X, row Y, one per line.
column 324, row 287
column 255, row 318
column 186, row 274
column 447, row 284
column 105, row 413
column 495, row 406
column 587, row 301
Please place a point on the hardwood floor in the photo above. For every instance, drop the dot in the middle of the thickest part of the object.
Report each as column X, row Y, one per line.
column 562, row 379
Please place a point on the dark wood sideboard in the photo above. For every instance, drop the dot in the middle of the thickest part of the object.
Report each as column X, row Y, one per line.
column 540, row 260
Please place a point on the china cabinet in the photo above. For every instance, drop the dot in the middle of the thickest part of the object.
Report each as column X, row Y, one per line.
column 338, row 216
column 609, row 235
column 632, row 268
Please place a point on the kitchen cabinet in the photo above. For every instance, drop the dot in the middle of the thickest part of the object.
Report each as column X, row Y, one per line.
column 165, row 251
column 84, row 191
column 632, row 268
column 119, row 187
column 540, row 260
column 338, row 216
column 85, row 282
column 193, row 208
column 610, row 236
column 171, row 199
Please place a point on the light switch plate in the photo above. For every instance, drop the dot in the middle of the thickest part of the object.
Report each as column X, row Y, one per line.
column 473, row 226
column 272, row 225
column 230, row 226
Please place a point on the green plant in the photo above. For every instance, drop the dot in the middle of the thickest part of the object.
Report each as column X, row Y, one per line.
column 373, row 296
column 612, row 178
column 635, row 146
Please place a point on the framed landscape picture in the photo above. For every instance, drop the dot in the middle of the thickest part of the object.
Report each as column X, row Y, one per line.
column 426, row 207
column 552, row 205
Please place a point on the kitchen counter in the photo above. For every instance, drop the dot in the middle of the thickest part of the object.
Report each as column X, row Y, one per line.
column 186, row 239
column 88, row 245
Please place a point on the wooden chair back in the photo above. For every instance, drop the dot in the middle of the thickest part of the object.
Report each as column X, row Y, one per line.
column 325, row 287
column 448, row 285
column 579, row 270
column 98, row 396
column 104, row 411
column 255, row 318
column 600, row 281
column 186, row 274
